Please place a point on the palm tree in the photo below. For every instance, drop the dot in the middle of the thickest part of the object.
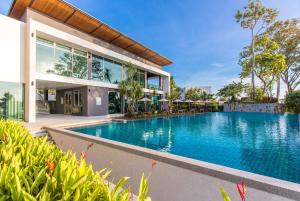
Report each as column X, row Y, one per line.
column 131, row 89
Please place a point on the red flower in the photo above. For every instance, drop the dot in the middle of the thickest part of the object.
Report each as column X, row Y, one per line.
column 51, row 166
column 242, row 190
column 153, row 164
column 82, row 155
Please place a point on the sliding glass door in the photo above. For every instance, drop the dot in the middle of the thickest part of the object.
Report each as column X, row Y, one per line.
column 11, row 100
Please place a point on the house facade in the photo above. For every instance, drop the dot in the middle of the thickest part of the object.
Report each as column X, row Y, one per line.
column 58, row 59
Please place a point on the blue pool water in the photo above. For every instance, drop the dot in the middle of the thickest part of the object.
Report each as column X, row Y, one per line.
column 266, row 144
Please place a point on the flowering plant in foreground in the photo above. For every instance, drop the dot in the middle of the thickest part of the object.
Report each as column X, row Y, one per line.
column 241, row 189
column 34, row 169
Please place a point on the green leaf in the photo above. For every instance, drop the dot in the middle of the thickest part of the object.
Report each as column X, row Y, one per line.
column 224, row 194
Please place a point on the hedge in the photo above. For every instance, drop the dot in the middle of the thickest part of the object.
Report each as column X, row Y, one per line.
column 292, row 102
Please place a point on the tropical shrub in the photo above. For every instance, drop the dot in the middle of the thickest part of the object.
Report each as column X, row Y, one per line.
column 33, row 169
column 292, row 102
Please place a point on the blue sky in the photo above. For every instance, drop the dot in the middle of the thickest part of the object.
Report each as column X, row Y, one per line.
column 200, row 37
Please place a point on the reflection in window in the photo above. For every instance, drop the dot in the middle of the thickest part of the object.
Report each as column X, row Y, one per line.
column 79, row 64
column 140, row 78
column 114, row 102
column 112, row 71
column 11, row 100
column 97, row 68
column 62, row 61
column 154, row 82
column 106, row 70
column 59, row 59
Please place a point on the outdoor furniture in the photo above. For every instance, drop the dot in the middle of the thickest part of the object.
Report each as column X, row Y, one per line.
column 144, row 100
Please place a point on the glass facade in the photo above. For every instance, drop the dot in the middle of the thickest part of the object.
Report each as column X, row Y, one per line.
column 106, row 70
column 140, row 78
column 114, row 102
column 11, row 100
column 59, row 59
column 154, row 82
column 55, row 58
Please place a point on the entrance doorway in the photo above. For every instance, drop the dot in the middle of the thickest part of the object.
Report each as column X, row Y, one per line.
column 68, row 102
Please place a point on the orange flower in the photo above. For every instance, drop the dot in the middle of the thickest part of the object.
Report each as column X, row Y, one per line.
column 82, row 155
column 51, row 166
column 90, row 146
column 153, row 164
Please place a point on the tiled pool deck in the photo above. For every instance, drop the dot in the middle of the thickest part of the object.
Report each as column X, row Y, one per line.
column 61, row 120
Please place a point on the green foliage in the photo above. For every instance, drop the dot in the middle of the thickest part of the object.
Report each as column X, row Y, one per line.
column 131, row 89
column 33, row 169
column 231, row 91
column 255, row 13
column 175, row 92
column 193, row 93
column 287, row 35
column 224, row 194
column 269, row 63
column 255, row 17
column 292, row 102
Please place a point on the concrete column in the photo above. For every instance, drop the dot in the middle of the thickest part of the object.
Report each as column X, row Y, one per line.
column 166, row 84
column 89, row 66
column 146, row 80
column 30, row 70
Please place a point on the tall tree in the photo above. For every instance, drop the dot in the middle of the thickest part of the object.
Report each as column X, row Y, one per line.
column 287, row 35
column 269, row 62
column 231, row 91
column 193, row 93
column 175, row 92
column 255, row 17
column 131, row 88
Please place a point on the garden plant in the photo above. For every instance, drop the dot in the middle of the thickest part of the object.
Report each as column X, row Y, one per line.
column 32, row 168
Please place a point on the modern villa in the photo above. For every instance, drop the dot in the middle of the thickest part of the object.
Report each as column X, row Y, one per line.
column 56, row 58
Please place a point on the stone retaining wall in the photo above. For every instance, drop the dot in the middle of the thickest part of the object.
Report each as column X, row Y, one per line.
column 254, row 107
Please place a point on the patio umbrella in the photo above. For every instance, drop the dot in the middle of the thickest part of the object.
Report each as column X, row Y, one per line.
column 189, row 101
column 161, row 101
column 145, row 99
column 177, row 101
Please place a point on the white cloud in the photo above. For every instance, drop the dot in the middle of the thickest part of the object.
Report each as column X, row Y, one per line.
column 217, row 65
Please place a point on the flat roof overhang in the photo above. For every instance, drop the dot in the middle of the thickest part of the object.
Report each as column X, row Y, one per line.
column 74, row 17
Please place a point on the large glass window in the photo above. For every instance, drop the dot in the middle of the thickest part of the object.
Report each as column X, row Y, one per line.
column 106, row 70
column 11, row 100
column 97, row 68
column 140, row 78
column 154, row 82
column 44, row 55
column 59, row 59
column 114, row 102
column 79, row 64
column 112, row 71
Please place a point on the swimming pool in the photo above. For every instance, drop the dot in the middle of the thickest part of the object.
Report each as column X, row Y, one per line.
column 262, row 143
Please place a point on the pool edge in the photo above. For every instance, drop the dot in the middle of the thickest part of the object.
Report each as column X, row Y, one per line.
column 271, row 185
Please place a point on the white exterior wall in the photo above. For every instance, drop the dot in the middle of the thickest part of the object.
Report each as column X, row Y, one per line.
column 18, row 54
column 12, row 50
